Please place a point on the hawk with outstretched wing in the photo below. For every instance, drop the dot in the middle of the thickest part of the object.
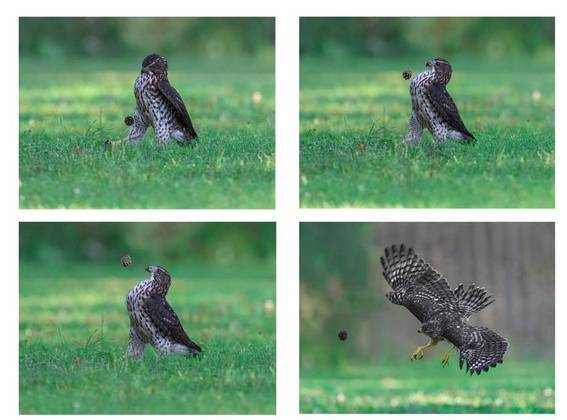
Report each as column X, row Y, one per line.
column 443, row 312
column 153, row 321
column 432, row 106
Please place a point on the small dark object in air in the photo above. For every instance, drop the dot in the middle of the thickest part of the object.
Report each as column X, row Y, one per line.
column 129, row 120
column 407, row 74
column 343, row 334
column 126, row 260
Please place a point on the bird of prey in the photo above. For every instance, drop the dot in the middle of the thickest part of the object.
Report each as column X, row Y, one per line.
column 158, row 105
column 443, row 312
column 153, row 321
column 433, row 108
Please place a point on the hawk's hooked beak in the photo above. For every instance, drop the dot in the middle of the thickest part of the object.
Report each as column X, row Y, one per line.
column 419, row 331
column 428, row 64
column 149, row 269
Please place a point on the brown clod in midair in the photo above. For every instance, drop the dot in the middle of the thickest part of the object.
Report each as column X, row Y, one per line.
column 126, row 260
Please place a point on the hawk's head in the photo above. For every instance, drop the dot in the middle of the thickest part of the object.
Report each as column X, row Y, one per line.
column 440, row 68
column 155, row 64
column 160, row 277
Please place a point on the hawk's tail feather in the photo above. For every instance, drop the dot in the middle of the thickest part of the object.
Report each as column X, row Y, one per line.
column 473, row 299
column 486, row 350
column 192, row 134
column 467, row 136
column 194, row 347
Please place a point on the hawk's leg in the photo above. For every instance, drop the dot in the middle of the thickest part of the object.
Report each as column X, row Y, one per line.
column 135, row 344
column 446, row 357
column 135, row 132
column 418, row 353
column 415, row 130
column 111, row 144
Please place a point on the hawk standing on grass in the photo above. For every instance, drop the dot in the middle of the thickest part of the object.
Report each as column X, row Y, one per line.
column 159, row 105
column 443, row 312
column 433, row 108
column 153, row 321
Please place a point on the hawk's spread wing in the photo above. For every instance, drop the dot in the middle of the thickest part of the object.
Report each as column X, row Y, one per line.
column 472, row 299
column 175, row 99
column 165, row 319
column 483, row 349
column 417, row 286
column 445, row 107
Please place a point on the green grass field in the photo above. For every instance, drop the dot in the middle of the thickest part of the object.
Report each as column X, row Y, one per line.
column 354, row 115
column 401, row 386
column 74, row 332
column 70, row 107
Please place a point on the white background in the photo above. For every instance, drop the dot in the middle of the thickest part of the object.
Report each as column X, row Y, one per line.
column 287, row 213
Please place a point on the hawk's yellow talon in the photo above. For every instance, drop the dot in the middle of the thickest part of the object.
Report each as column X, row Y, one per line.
column 112, row 143
column 445, row 359
column 417, row 354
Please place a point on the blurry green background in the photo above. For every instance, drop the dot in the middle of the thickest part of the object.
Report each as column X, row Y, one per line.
column 76, row 87
column 355, row 108
column 446, row 36
column 74, row 325
column 342, row 288
column 59, row 37
column 171, row 243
